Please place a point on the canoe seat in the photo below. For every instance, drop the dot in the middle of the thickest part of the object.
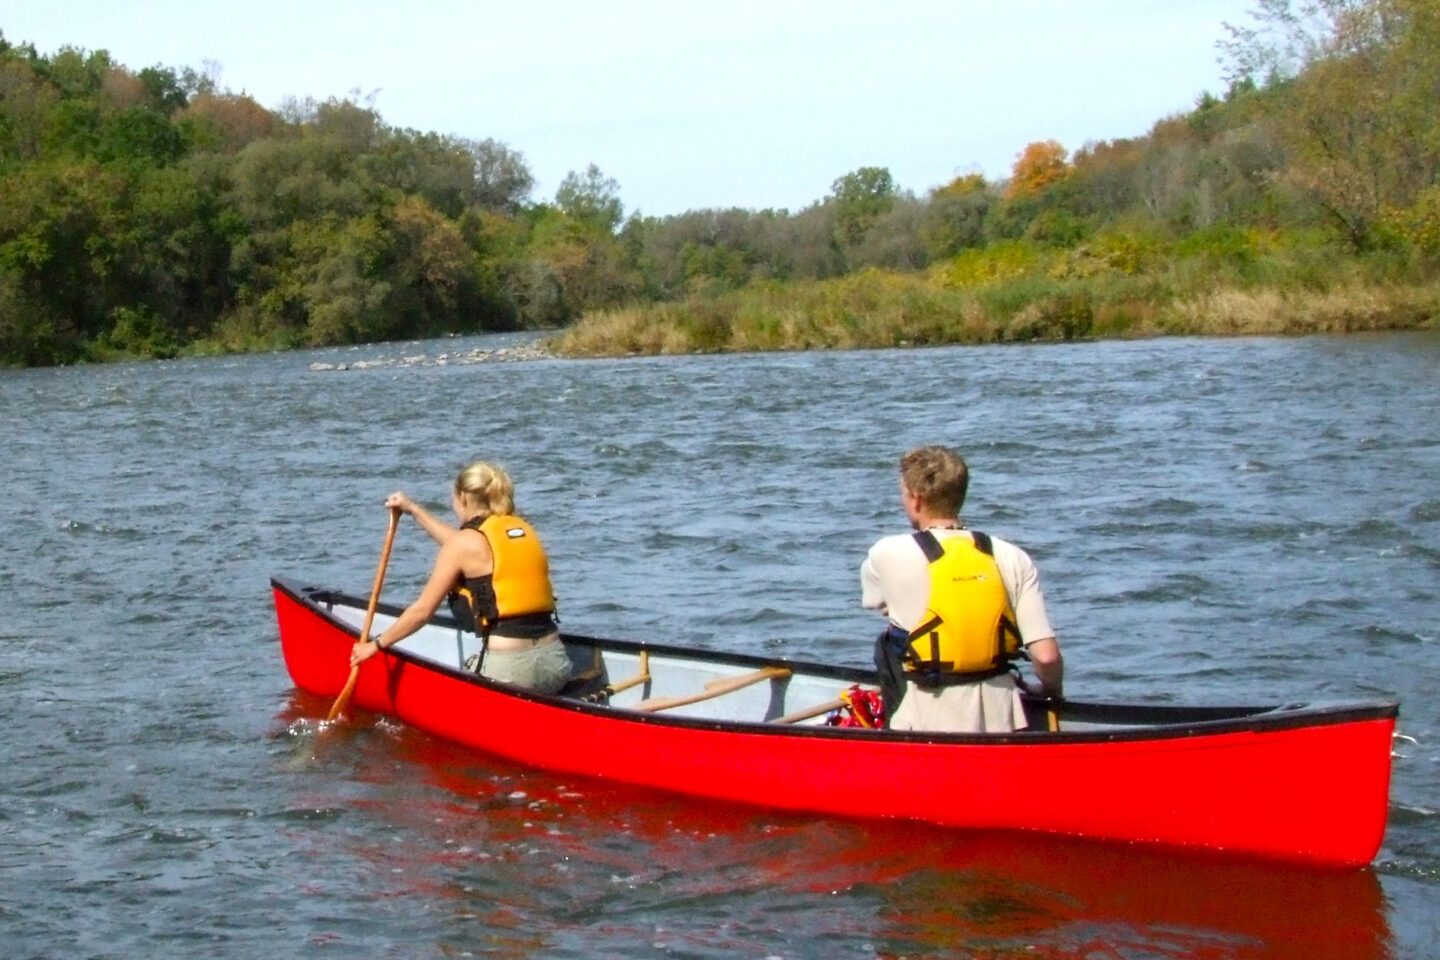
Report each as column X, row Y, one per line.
column 583, row 685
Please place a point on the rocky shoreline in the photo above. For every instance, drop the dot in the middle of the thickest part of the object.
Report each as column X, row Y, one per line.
column 520, row 352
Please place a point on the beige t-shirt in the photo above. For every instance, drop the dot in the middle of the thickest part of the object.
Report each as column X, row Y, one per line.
column 896, row 575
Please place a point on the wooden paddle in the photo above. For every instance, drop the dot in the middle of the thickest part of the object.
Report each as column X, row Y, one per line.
column 714, row 688
column 344, row 699
column 809, row 712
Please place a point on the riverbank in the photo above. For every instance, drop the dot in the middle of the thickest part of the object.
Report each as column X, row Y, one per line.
column 880, row 310
column 876, row 309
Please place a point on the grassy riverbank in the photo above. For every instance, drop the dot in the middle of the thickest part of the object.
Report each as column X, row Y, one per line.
column 1016, row 293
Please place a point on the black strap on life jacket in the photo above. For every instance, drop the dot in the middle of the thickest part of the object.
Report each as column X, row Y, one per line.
column 929, row 544
column 472, row 600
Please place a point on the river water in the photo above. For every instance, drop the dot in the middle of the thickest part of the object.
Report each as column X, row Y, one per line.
column 1215, row 521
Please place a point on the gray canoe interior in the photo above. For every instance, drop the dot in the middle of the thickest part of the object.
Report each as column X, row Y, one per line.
column 797, row 699
column 762, row 699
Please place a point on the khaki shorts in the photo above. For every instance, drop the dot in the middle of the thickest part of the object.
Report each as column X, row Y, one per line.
column 544, row 667
column 992, row 705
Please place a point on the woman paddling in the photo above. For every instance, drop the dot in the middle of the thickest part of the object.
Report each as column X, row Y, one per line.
column 495, row 574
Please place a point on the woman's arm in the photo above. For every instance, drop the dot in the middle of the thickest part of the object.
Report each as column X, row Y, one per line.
column 439, row 530
column 443, row 576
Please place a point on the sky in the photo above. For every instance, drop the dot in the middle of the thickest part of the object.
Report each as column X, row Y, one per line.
column 693, row 104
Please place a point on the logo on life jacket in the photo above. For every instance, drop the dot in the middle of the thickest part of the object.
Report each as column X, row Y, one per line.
column 968, row 629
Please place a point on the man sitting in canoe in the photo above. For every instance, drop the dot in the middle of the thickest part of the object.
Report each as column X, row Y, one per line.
column 496, row 576
column 962, row 605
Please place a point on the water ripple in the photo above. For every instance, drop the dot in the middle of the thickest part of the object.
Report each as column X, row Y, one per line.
column 1215, row 521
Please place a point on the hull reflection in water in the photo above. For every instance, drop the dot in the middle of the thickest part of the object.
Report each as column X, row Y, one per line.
column 538, row 860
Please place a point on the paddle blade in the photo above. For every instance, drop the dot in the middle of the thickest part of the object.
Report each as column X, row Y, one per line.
column 343, row 701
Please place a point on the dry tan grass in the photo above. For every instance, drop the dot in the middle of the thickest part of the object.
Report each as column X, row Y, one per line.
column 1342, row 310
column 618, row 333
column 877, row 310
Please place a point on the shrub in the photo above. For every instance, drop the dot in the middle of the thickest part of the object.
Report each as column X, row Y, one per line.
column 137, row 332
column 999, row 261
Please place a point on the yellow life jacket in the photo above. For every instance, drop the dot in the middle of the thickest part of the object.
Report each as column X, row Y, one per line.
column 517, row 592
column 968, row 629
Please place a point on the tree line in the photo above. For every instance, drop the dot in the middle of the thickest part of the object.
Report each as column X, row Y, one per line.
column 149, row 213
column 1305, row 198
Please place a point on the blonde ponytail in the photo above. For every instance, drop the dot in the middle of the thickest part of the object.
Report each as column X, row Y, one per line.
column 486, row 488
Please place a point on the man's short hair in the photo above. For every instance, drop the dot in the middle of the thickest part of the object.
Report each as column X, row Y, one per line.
column 938, row 476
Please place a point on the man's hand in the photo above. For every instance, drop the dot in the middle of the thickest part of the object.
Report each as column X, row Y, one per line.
column 1049, row 669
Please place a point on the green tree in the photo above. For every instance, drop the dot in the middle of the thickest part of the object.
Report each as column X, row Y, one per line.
column 502, row 179
column 164, row 88
column 893, row 240
column 954, row 219
column 433, row 167
column 591, row 266
column 141, row 136
column 859, row 198
column 62, row 250
column 27, row 109
column 433, row 271
column 591, row 198
column 339, row 278
column 1357, row 81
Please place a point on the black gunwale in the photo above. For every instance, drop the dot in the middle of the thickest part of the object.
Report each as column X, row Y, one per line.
column 1140, row 722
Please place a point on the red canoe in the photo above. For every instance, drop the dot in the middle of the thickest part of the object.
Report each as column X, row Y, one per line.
column 1305, row 783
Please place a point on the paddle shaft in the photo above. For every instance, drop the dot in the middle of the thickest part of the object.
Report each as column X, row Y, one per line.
column 715, row 688
column 344, row 699
column 809, row 712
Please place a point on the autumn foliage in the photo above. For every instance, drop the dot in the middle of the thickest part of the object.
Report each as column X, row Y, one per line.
column 1038, row 166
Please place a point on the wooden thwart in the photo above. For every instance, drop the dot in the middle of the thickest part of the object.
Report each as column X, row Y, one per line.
column 715, row 688
column 642, row 677
column 809, row 712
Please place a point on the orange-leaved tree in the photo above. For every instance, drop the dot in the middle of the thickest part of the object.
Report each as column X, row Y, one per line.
column 1039, row 165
